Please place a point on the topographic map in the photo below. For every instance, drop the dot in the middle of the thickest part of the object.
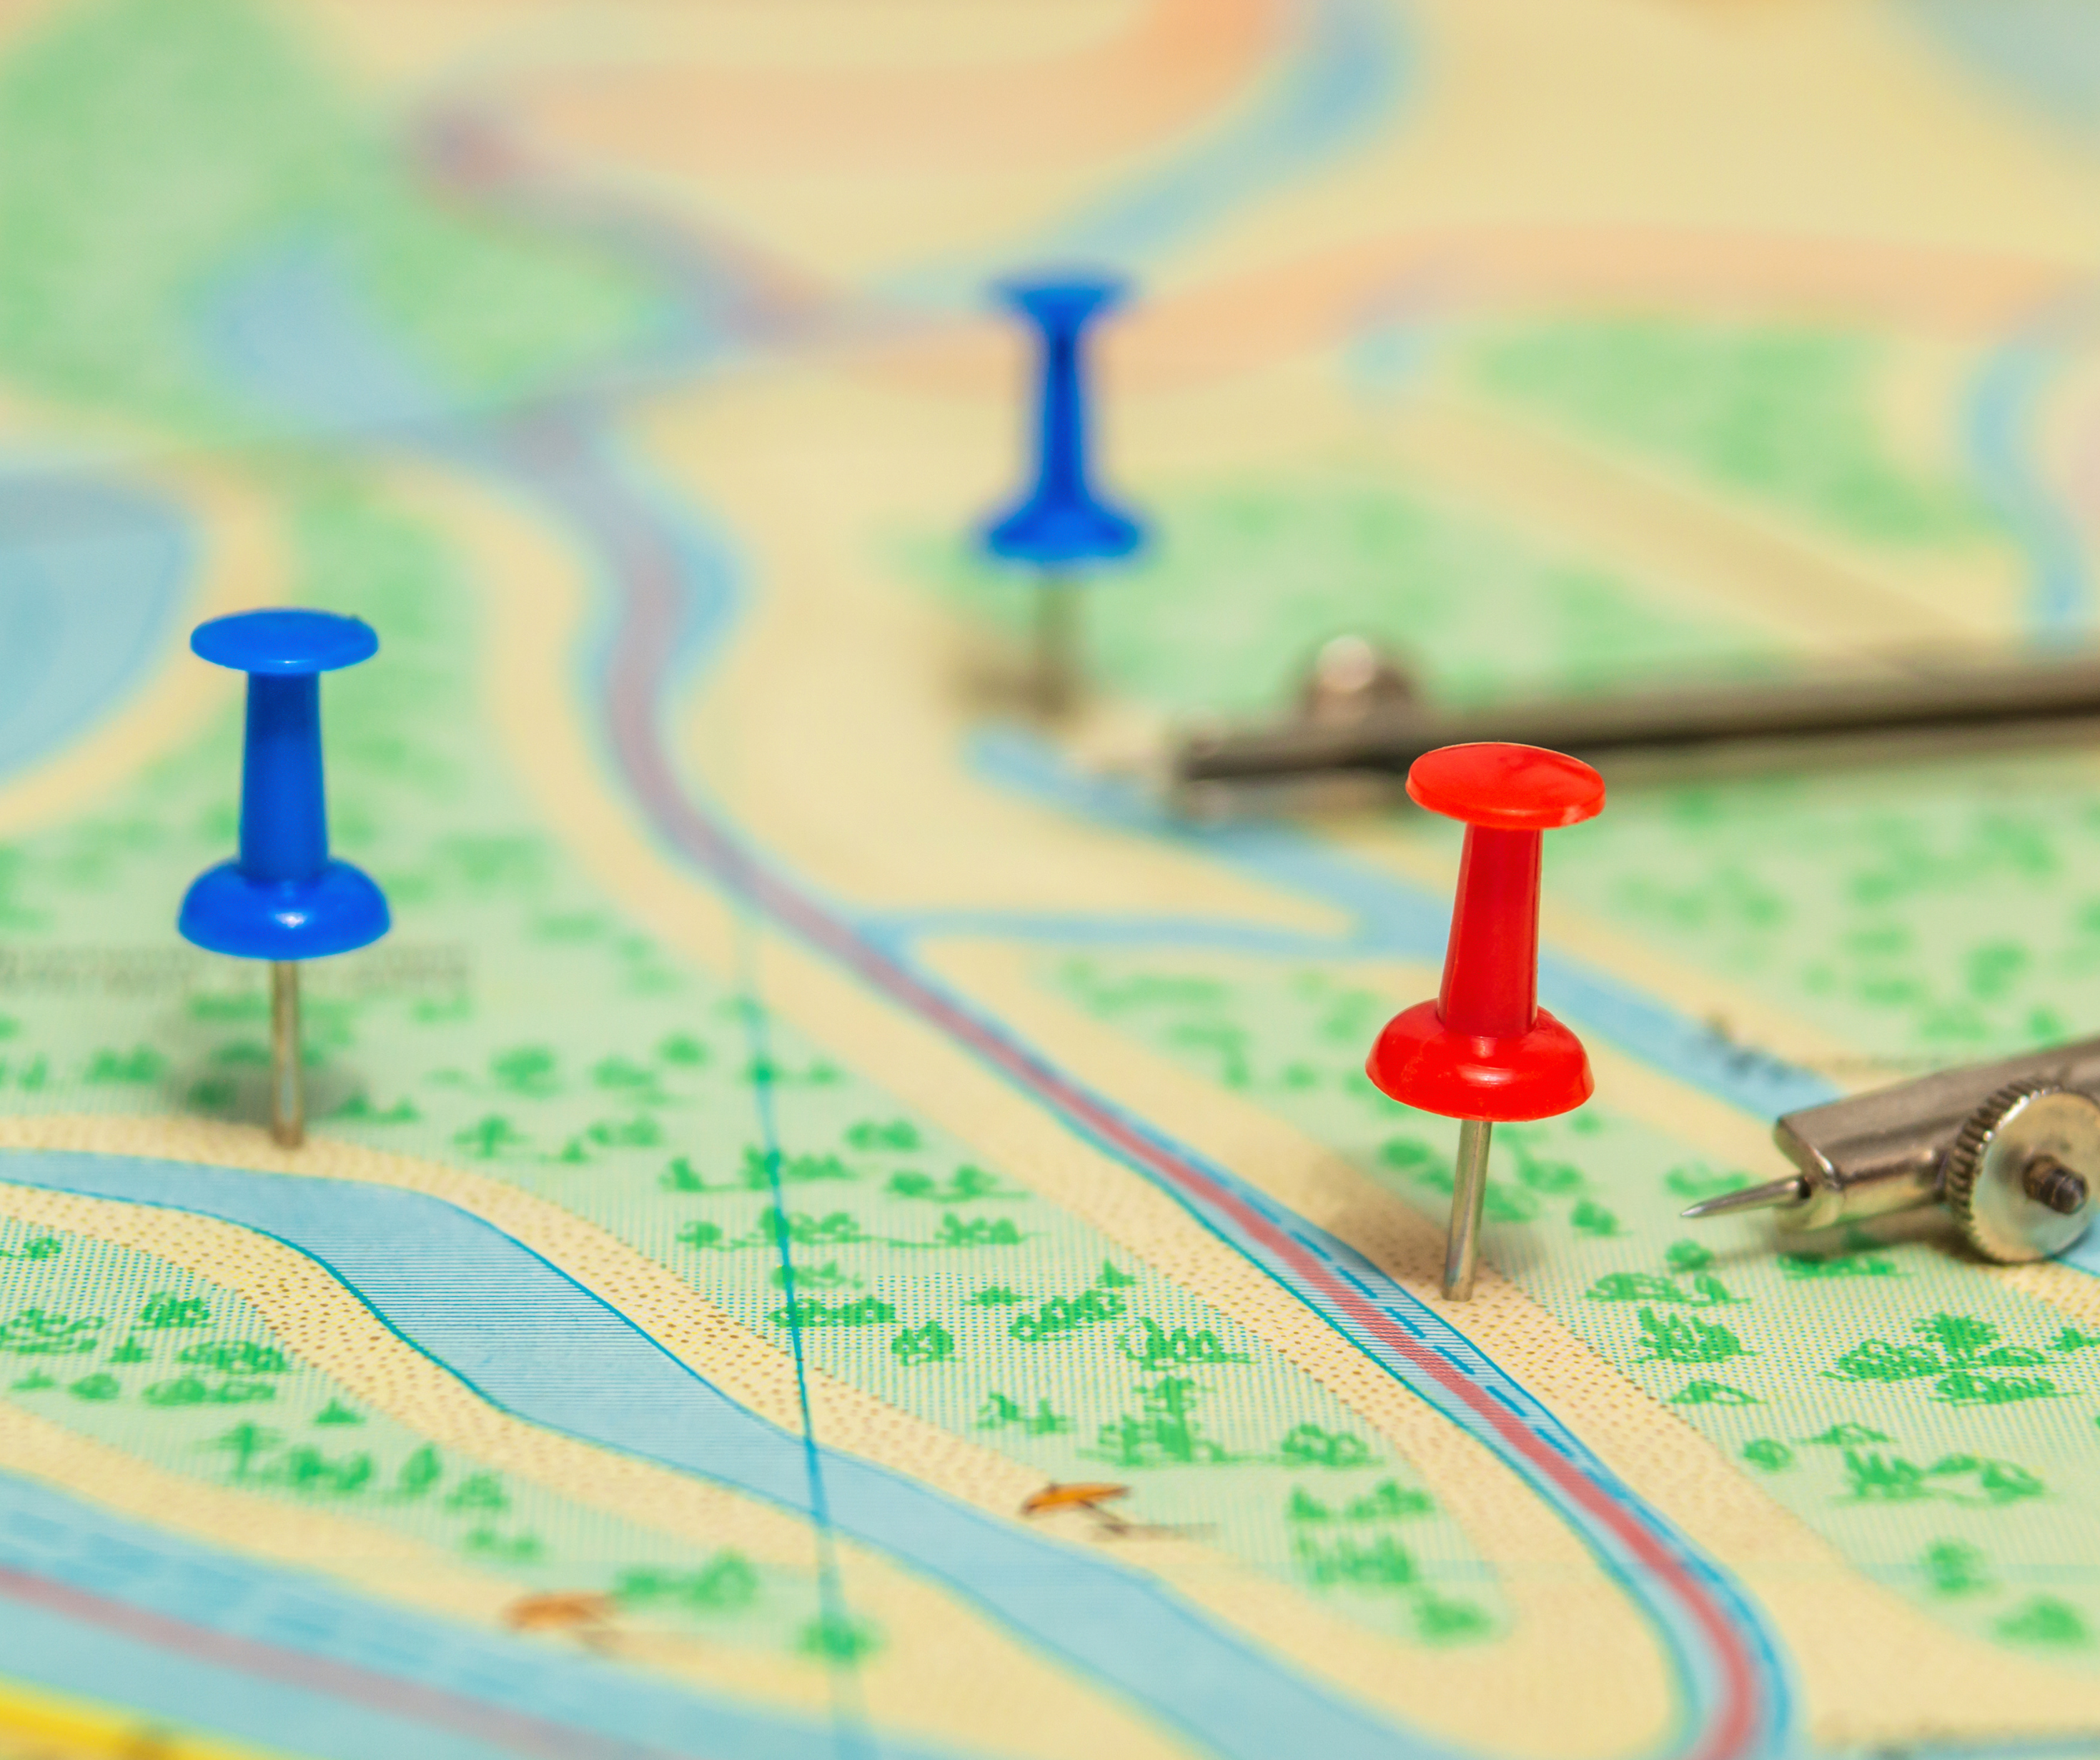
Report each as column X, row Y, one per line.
column 836, row 1225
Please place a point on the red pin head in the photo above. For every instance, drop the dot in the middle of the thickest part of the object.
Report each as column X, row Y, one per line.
column 1485, row 1048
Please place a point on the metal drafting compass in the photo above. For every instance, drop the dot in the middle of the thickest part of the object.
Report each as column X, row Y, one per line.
column 2011, row 1150
column 1360, row 717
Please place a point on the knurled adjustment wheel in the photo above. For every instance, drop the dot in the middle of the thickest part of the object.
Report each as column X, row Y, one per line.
column 2019, row 1174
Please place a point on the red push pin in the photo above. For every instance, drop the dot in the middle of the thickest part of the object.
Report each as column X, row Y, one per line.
column 1485, row 1051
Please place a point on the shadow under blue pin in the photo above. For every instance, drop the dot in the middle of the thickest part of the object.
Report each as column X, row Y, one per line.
column 1063, row 523
column 284, row 898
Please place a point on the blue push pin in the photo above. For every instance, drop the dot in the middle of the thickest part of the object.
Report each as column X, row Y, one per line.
column 283, row 900
column 1062, row 524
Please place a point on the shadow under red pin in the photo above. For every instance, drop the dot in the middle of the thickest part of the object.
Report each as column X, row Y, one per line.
column 1482, row 1051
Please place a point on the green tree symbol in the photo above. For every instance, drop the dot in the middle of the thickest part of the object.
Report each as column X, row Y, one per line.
column 872, row 1134
column 1952, row 1567
column 1958, row 1334
column 1163, row 1431
column 1687, row 1339
column 1001, row 1412
column 1442, row 1621
column 679, row 1176
column 1878, row 1478
column 527, row 1070
column 681, row 1049
column 165, row 1309
column 1380, row 1562
column 247, row 1443
column 489, row 1137
column 930, row 1343
column 2044, row 1620
column 976, row 1231
column 311, row 1472
column 1591, row 1218
column 237, row 1357
column 1307, row 1445
column 1963, row 1388
column 1713, row 1393
column 479, row 1491
column 838, row 1638
column 34, row 1332
column 1153, row 1347
column 417, row 1474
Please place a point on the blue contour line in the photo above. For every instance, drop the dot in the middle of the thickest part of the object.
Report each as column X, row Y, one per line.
column 56, row 1537
column 1307, row 1709
column 2044, row 56
column 1995, row 423
column 1342, row 74
column 848, row 1707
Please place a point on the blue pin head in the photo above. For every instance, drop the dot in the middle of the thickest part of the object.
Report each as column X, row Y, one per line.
column 1062, row 519
column 285, row 897
column 1064, row 303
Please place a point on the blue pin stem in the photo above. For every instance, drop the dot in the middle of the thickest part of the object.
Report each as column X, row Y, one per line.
column 285, row 900
column 1063, row 523
column 283, row 806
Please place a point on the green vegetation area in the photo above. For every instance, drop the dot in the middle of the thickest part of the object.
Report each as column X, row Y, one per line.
column 516, row 1024
column 150, row 153
column 145, row 1356
column 1930, row 915
column 1246, row 580
column 1936, row 1425
column 1782, row 415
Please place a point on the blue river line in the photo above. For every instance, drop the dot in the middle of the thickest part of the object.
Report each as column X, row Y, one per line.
column 593, row 1710
column 530, row 1339
column 92, row 576
column 1999, row 425
column 2044, row 52
column 1338, row 77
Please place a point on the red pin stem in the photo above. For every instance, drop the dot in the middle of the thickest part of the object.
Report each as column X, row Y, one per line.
column 1484, row 1051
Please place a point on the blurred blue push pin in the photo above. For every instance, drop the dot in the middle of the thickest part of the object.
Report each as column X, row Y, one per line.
column 1062, row 524
column 283, row 900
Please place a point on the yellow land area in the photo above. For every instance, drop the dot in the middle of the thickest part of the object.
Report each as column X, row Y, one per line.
column 37, row 1725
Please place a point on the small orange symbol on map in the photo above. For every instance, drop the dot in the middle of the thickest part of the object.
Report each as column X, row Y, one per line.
column 574, row 1610
column 1084, row 1495
column 1080, row 1496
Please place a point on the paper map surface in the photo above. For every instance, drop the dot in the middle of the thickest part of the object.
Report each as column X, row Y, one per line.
column 837, row 1226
